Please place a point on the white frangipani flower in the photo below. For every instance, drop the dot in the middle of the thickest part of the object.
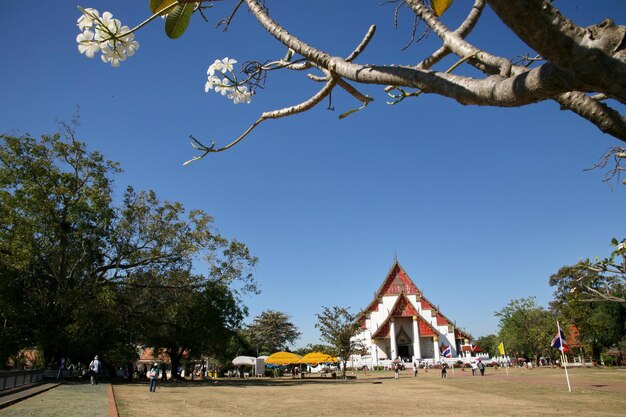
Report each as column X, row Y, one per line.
column 211, row 82
column 86, row 44
column 215, row 66
column 240, row 94
column 87, row 19
column 228, row 85
column 223, row 87
column 106, row 19
column 103, row 33
column 114, row 56
column 227, row 64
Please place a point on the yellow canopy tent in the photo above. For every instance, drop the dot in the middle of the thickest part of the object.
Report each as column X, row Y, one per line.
column 314, row 358
column 283, row 358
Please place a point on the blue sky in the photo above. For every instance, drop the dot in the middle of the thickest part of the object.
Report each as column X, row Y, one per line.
column 480, row 205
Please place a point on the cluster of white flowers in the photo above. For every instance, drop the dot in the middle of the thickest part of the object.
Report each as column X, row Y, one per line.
column 106, row 35
column 227, row 84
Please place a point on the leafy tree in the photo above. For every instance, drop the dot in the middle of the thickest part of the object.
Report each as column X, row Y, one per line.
column 608, row 283
column 55, row 202
column 600, row 324
column 12, row 333
column 68, row 256
column 526, row 329
column 313, row 347
column 338, row 327
column 489, row 344
column 581, row 69
column 271, row 331
column 193, row 318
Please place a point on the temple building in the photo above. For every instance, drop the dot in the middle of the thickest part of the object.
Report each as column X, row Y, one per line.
column 401, row 323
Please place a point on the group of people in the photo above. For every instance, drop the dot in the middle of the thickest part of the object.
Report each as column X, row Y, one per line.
column 478, row 366
column 475, row 365
column 153, row 374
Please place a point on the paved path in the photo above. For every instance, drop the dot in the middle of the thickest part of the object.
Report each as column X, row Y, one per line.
column 15, row 395
column 67, row 400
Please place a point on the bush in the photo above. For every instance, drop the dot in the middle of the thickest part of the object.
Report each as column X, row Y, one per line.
column 608, row 360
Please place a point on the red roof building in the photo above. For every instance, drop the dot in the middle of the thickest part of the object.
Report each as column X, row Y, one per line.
column 400, row 322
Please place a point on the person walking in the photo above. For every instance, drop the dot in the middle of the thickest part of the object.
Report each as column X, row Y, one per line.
column 94, row 370
column 481, row 367
column 444, row 370
column 153, row 374
column 415, row 366
column 61, row 368
column 474, row 368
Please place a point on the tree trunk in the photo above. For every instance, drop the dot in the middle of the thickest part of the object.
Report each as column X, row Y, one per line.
column 175, row 358
column 595, row 352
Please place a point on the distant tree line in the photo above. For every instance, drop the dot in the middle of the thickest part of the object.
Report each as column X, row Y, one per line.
column 527, row 329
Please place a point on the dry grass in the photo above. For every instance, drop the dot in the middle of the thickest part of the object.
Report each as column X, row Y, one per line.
column 537, row 392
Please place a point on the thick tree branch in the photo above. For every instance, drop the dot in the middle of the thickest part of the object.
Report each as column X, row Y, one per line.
column 525, row 86
column 595, row 55
column 604, row 117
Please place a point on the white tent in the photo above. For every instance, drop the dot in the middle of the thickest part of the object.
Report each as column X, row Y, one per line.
column 244, row 361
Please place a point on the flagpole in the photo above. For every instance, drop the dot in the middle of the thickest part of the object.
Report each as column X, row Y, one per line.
column 558, row 328
column 503, row 354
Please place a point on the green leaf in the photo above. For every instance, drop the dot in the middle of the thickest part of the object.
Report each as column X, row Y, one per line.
column 178, row 19
column 157, row 5
column 614, row 242
column 349, row 112
column 440, row 6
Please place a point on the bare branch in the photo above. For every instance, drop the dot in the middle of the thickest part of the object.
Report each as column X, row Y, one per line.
column 463, row 30
column 363, row 44
column 276, row 114
column 617, row 155
column 226, row 22
column 486, row 62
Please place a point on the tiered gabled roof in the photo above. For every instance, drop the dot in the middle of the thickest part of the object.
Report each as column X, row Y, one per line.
column 398, row 282
column 460, row 334
column 404, row 308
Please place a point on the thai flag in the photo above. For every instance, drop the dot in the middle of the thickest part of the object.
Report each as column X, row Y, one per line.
column 447, row 352
column 559, row 341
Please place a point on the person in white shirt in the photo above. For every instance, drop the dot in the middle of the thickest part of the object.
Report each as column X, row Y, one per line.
column 94, row 370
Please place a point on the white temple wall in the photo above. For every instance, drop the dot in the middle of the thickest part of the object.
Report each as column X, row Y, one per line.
column 388, row 303
column 384, row 349
column 448, row 340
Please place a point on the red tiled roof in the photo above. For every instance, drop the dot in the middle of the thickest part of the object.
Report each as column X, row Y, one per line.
column 403, row 308
column 425, row 329
column 383, row 331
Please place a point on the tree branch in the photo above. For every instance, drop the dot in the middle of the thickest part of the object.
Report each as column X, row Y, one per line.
column 596, row 55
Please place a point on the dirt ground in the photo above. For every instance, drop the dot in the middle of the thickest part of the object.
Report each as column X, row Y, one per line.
column 536, row 392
